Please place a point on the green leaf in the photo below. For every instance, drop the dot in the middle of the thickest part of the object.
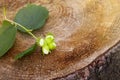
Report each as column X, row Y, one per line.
column 32, row 17
column 26, row 52
column 7, row 37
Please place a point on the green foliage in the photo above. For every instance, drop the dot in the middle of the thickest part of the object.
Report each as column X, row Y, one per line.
column 29, row 18
column 7, row 37
column 32, row 17
column 26, row 52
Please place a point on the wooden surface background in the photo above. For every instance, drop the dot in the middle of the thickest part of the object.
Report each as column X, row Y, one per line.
column 105, row 67
column 83, row 29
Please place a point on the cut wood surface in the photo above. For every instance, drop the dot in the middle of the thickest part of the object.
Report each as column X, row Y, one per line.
column 83, row 29
column 105, row 67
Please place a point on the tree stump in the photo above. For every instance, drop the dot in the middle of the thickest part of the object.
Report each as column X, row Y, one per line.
column 105, row 67
column 83, row 30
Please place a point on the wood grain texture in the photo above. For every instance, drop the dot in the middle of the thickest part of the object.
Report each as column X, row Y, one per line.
column 105, row 67
column 84, row 30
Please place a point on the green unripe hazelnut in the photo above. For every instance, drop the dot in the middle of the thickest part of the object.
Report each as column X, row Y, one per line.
column 52, row 46
column 49, row 39
column 41, row 42
column 45, row 49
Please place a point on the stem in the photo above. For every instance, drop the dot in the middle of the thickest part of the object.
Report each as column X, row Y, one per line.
column 28, row 31
column 4, row 12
